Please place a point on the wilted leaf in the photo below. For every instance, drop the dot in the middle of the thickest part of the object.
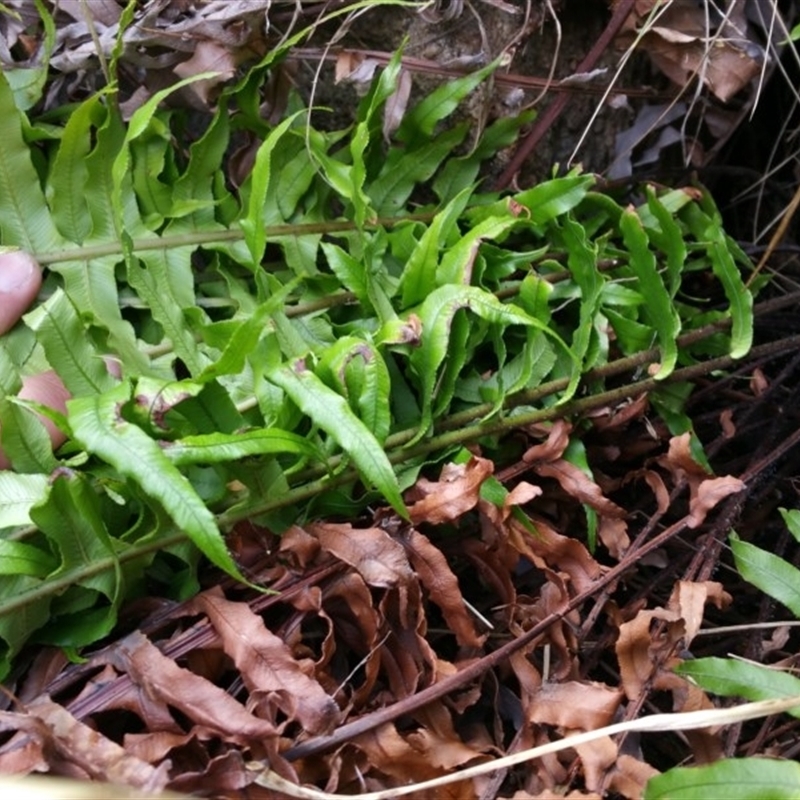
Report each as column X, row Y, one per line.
column 202, row 702
column 420, row 755
column 680, row 46
column 455, row 493
column 709, row 493
column 269, row 670
column 576, row 705
column 208, row 57
column 396, row 105
column 543, row 545
column 554, row 446
column 100, row 757
column 630, row 776
column 545, row 459
column 379, row 559
column 575, row 483
column 435, row 575
column 639, row 653
column 597, row 758
column 689, row 599
column 613, row 533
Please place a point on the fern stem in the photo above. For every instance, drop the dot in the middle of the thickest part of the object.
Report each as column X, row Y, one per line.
column 197, row 239
column 95, row 567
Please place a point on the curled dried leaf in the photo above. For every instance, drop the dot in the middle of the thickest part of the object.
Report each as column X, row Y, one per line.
column 198, row 699
column 689, row 600
column 269, row 670
column 709, row 493
column 435, row 574
column 95, row 754
column 577, row 705
column 456, row 492
column 378, row 558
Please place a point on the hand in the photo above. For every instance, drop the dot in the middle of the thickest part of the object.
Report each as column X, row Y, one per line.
column 20, row 280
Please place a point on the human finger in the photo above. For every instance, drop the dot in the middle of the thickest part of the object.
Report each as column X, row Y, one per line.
column 47, row 389
column 20, row 280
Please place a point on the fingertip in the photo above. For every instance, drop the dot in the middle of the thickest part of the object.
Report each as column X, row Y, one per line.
column 49, row 390
column 20, row 281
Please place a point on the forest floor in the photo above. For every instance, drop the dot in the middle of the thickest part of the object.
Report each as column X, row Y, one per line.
column 551, row 579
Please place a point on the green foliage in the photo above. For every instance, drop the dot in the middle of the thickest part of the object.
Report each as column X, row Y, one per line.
column 302, row 336
column 728, row 677
column 733, row 779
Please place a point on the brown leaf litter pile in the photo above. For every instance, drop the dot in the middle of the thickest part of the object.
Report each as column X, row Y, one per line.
column 392, row 652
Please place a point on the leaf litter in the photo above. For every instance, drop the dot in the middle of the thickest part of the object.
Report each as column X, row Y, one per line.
column 366, row 615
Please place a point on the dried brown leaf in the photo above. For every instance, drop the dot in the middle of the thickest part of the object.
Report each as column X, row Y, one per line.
column 613, row 533
column 455, row 493
column 560, row 635
column 303, row 547
column 156, row 746
column 679, row 459
column 577, row 484
column 547, row 548
column 630, row 776
column 346, row 62
column 598, row 758
column 46, row 665
column 435, row 574
column 777, row 639
column 407, row 657
column 495, row 567
column 208, row 56
column 106, row 12
column 267, row 666
column 618, row 416
column 389, row 752
column 656, row 483
column 522, row 493
column 706, row 743
column 128, row 697
column 724, row 69
column 98, row 756
column 553, row 447
column 680, row 46
column 576, row 705
column 197, row 698
column 378, row 558
column 438, row 738
column 727, row 424
column 758, row 382
column 640, row 650
column 350, row 602
column 709, row 493
column 24, row 751
column 546, row 460
column 223, row 776
column 396, row 105
column 689, row 600
column 419, row 755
